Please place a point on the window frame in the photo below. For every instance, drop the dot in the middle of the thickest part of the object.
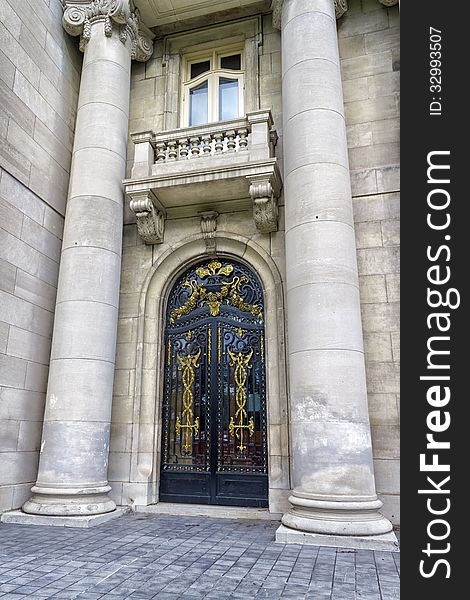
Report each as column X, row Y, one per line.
column 246, row 32
column 214, row 56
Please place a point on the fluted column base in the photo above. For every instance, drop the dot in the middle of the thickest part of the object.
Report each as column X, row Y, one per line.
column 333, row 516
column 69, row 502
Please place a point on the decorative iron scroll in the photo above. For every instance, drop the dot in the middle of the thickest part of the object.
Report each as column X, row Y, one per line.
column 186, row 415
column 242, row 420
column 188, row 364
column 214, row 285
column 214, row 419
column 241, row 362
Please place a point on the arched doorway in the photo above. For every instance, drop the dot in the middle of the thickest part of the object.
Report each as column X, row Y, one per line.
column 214, row 429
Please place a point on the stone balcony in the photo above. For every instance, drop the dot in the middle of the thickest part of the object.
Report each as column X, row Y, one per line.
column 217, row 167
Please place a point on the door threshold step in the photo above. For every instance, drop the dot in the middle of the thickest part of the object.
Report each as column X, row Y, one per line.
column 204, row 510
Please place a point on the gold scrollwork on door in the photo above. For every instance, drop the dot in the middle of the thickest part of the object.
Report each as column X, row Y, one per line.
column 241, row 362
column 187, row 365
column 214, row 268
column 230, row 293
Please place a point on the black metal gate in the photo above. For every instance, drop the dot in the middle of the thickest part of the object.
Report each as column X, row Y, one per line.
column 214, row 439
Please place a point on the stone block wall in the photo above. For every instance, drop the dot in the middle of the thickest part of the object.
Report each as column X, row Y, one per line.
column 39, row 80
column 368, row 40
column 146, row 113
column 369, row 49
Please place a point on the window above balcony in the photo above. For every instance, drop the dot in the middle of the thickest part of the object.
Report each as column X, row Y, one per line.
column 211, row 74
column 213, row 86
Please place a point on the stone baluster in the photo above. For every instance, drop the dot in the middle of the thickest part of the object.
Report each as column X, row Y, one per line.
column 219, row 142
column 161, row 151
column 231, row 140
column 242, row 138
column 195, row 149
column 183, row 148
column 207, row 144
column 172, row 150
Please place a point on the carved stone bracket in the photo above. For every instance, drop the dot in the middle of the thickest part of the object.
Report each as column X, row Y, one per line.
column 79, row 16
column 150, row 220
column 264, row 192
column 341, row 6
column 208, row 229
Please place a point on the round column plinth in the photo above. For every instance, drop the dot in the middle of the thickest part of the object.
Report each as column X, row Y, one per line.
column 71, row 502
column 350, row 516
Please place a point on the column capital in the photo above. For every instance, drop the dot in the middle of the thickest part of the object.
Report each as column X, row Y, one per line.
column 79, row 16
column 341, row 6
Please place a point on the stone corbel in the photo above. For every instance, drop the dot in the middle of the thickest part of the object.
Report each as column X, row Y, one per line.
column 208, row 229
column 150, row 219
column 264, row 192
column 341, row 6
column 79, row 16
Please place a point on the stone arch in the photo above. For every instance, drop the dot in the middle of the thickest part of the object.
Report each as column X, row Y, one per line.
column 148, row 387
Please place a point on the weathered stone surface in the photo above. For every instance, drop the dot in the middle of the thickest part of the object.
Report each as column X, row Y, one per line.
column 28, row 345
column 7, row 276
column 39, row 72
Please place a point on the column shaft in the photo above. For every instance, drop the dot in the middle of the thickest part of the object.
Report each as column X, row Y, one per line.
column 333, row 478
column 72, row 477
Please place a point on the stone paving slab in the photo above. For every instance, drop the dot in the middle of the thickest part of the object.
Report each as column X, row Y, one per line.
column 185, row 558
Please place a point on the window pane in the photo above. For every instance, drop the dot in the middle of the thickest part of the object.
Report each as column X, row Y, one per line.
column 228, row 98
column 199, row 68
column 198, row 97
column 233, row 62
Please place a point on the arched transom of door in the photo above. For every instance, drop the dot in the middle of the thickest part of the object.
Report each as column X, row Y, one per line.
column 214, row 430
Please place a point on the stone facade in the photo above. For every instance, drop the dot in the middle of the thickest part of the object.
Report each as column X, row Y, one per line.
column 38, row 135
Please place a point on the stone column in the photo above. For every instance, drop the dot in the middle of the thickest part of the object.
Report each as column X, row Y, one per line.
column 72, row 477
column 332, row 468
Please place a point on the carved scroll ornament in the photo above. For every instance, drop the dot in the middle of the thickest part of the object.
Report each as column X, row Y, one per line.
column 150, row 220
column 264, row 192
column 208, row 229
column 79, row 16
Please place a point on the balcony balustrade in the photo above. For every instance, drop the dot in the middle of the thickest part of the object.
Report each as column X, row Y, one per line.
column 220, row 167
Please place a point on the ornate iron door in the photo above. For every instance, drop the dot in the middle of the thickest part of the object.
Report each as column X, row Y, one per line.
column 214, row 438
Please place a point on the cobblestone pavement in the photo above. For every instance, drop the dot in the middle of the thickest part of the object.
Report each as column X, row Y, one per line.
column 185, row 558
